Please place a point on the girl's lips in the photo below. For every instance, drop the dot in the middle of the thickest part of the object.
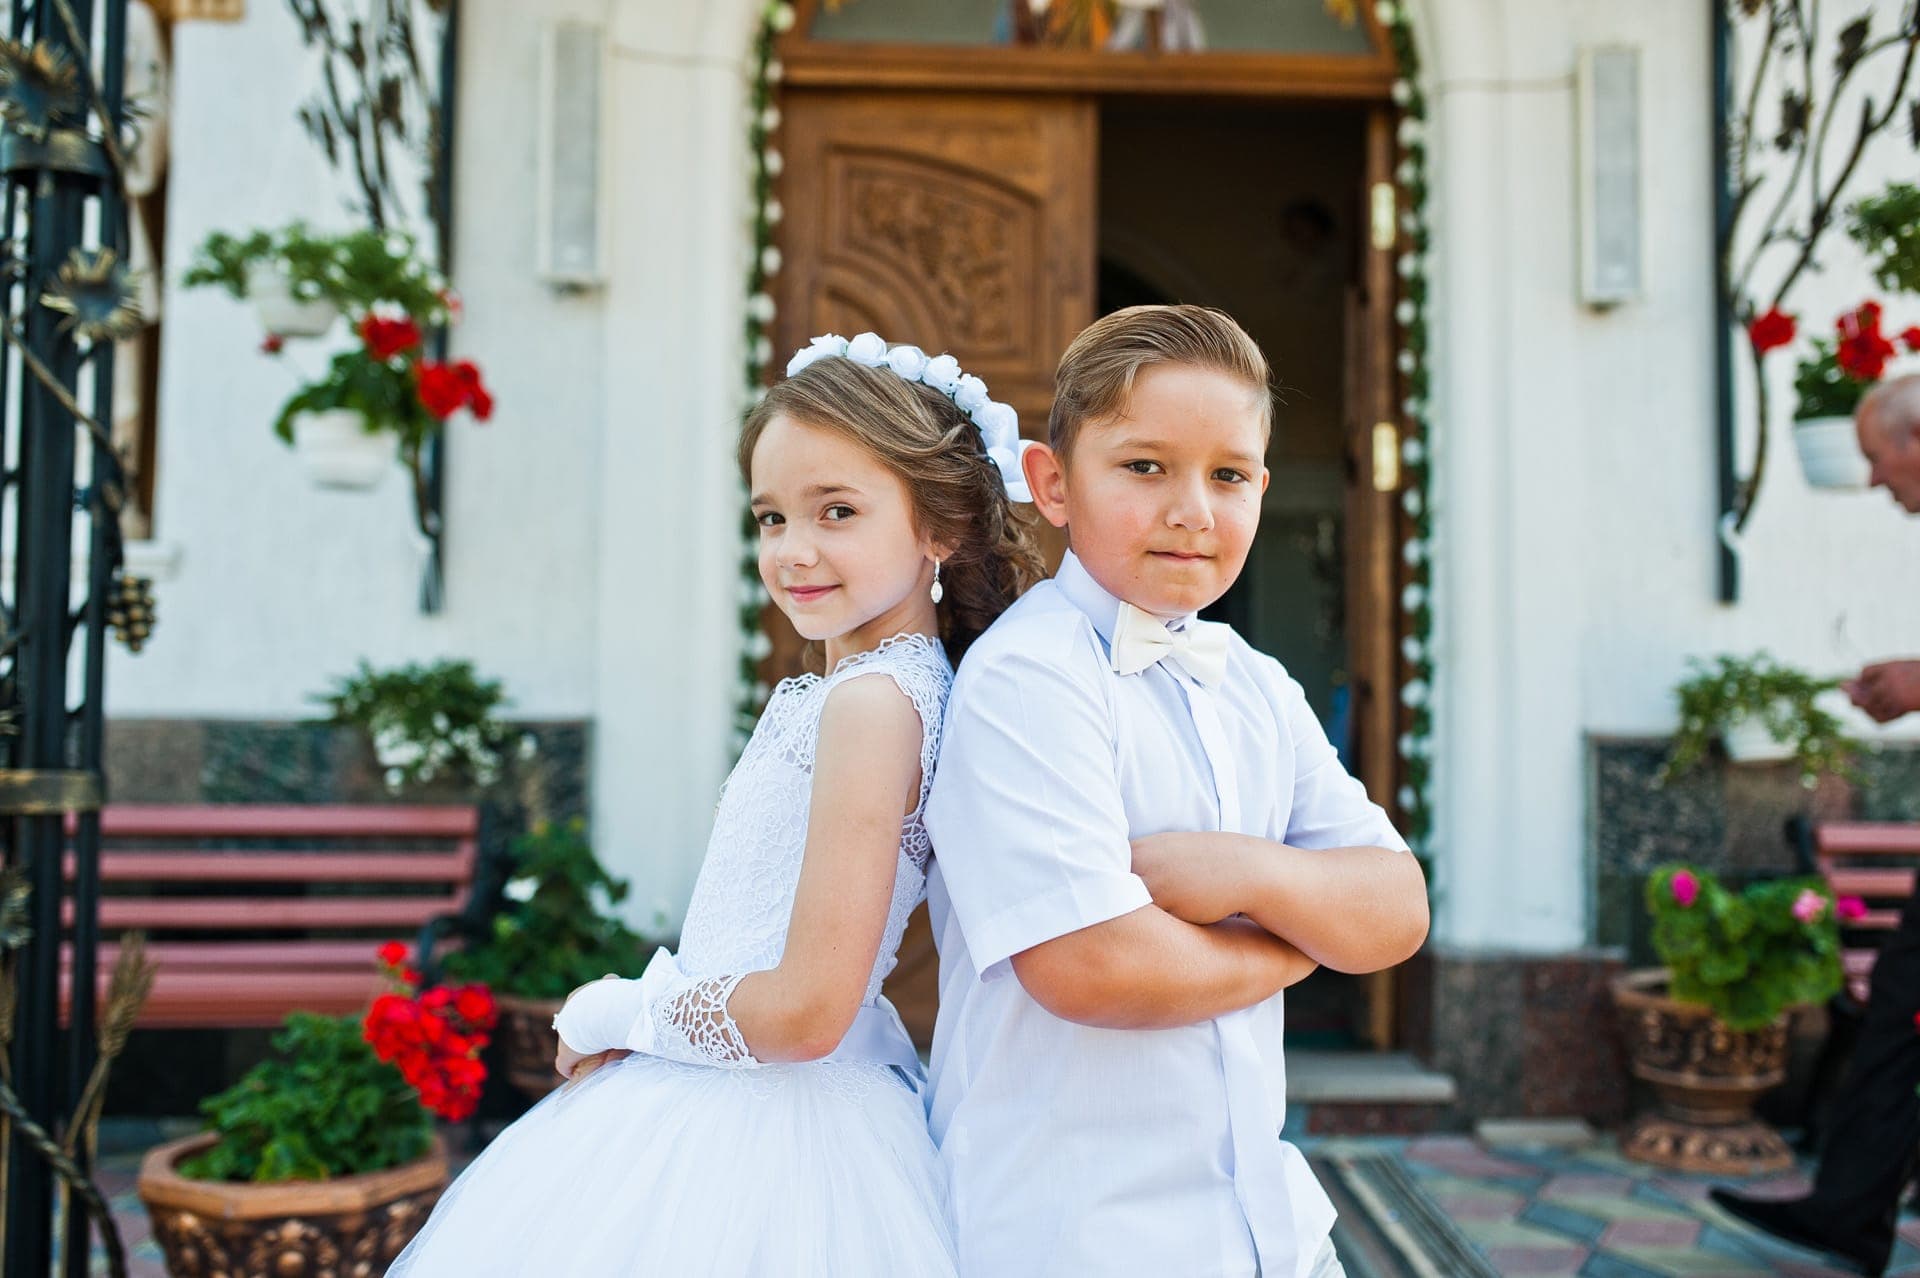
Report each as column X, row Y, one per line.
column 807, row 594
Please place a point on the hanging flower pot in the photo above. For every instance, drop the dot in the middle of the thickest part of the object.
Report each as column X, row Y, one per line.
column 283, row 313
column 1830, row 455
column 1747, row 739
column 338, row 451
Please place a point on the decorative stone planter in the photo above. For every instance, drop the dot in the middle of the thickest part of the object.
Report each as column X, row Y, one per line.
column 1830, row 455
column 281, row 312
column 340, row 1228
column 338, row 451
column 1706, row 1078
column 529, row 1041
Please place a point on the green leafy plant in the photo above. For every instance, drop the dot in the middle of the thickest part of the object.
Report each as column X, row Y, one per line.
column 1748, row 956
column 357, row 271
column 324, row 1105
column 426, row 721
column 1887, row 227
column 1713, row 698
column 557, row 932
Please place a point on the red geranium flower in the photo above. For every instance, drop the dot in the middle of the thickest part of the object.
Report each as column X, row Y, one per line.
column 475, row 1006
column 386, row 338
column 1863, row 351
column 272, row 344
column 392, row 954
column 1911, row 338
column 440, row 389
column 1772, row 330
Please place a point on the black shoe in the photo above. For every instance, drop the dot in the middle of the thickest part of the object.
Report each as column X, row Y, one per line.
column 1791, row 1219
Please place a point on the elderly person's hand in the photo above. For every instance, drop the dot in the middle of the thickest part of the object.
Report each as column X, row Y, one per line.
column 1886, row 690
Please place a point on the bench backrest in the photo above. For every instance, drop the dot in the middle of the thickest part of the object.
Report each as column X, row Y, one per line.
column 261, row 869
column 1876, row 861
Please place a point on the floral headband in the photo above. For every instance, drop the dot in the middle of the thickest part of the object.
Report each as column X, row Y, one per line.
column 999, row 424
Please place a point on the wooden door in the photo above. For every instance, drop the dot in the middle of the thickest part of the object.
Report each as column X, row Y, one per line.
column 1372, row 510
column 957, row 222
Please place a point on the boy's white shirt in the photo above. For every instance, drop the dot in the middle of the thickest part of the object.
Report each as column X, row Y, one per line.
column 1073, row 1150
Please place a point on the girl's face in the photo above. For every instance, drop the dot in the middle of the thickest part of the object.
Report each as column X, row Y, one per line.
column 838, row 549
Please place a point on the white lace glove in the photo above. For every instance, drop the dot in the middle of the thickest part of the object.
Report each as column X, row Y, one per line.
column 665, row 1013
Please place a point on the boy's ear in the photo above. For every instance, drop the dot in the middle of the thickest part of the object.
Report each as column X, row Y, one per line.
column 1047, row 481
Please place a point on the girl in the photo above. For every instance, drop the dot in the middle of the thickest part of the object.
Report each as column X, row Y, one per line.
column 751, row 1106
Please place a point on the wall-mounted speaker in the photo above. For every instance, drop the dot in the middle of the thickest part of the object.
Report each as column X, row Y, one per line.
column 569, row 223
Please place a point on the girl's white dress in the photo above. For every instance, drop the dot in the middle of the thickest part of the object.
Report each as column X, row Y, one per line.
column 663, row 1167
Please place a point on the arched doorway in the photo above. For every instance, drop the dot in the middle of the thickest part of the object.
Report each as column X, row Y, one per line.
column 979, row 177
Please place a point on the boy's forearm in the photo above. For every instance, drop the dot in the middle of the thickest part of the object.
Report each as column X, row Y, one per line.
column 1357, row 909
column 1149, row 970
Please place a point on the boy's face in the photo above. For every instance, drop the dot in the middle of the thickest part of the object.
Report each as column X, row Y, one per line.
column 1161, row 500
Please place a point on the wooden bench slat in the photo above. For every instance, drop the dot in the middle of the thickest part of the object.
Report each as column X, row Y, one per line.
column 1867, row 838
column 278, row 866
column 286, row 821
column 117, row 912
column 225, row 1000
column 250, row 955
column 1868, row 881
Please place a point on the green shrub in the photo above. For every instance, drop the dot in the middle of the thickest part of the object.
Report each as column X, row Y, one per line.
column 1748, row 957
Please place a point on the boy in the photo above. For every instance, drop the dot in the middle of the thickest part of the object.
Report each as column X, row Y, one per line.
column 1121, row 886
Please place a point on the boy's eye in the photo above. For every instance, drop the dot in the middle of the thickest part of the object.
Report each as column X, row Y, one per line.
column 838, row 513
column 1143, row 467
column 767, row 518
column 1228, row 475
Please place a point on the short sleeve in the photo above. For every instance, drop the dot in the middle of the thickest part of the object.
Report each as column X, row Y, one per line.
column 1026, row 815
column 1330, row 808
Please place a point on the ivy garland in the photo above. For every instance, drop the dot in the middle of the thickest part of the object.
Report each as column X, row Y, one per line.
column 1410, row 313
column 1416, row 600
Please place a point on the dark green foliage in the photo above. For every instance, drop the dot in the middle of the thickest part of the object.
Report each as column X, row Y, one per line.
column 1745, row 956
column 356, row 271
column 557, row 938
column 323, row 1106
column 1887, row 227
column 1714, row 697
column 426, row 720
column 1824, row 389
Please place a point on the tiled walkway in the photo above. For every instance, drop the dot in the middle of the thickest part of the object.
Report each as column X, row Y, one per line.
column 1525, row 1211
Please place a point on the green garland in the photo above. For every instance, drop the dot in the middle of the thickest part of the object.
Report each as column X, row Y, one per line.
column 1416, row 685
column 763, row 123
column 1416, row 597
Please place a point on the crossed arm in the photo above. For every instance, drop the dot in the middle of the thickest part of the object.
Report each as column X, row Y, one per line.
column 1185, row 958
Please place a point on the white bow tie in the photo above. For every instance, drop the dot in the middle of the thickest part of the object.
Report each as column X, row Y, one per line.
column 1140, row 639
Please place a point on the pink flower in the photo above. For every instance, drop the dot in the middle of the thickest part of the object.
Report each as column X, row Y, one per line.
column 1809, row 906
column 1851, row 909
column 1686, row 888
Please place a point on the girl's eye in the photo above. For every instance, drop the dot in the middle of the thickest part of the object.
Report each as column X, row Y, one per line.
column 767, row 519
column 838, row 513
column 1228, row 475
column 1144, row 467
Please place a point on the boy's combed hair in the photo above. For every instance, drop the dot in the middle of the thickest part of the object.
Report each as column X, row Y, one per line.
column 936, row 450
column 1095, row 377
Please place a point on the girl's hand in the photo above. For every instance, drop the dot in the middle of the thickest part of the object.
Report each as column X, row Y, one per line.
column 1195, row 877
column 574, row 1067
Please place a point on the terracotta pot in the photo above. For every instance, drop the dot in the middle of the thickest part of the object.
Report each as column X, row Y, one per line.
column 349, row 1227
column 527, row 1036
column 1705, row 1077
column 1830, row 455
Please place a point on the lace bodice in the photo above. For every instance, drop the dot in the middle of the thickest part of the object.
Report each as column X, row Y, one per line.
column 743, row 900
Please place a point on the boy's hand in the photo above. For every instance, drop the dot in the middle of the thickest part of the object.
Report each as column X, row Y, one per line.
column 1191, row 876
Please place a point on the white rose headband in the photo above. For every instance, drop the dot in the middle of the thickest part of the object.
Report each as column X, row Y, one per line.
column 999, row 424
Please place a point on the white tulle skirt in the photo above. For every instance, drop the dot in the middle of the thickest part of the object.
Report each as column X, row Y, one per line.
column 653, row 1168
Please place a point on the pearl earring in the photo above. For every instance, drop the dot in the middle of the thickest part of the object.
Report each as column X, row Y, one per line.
column 937, row 592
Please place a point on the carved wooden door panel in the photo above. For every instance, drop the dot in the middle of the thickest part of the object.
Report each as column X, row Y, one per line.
column 957, row 222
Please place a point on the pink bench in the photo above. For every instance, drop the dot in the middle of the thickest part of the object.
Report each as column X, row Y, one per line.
column 241, row 935
column 1873, row 860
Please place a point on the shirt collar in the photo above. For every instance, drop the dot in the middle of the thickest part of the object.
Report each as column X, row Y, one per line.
column 1090, row 597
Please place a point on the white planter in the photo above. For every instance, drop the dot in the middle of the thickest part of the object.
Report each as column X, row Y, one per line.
column 283, row 313
column 1747, row 741
column 337, row 451
column 1830, row 455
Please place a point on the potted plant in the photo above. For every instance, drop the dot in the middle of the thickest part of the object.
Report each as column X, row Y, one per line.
column 1760, row 710
column 1708, row 1032
column 1828, row 388
column 428, row 723
column 377, row 398
column 300, row 282
column 323, row 1159
column 556, row 934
